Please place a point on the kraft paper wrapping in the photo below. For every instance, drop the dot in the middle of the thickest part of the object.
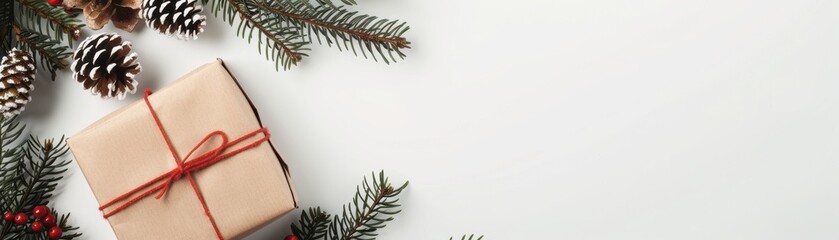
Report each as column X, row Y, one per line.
column 125, row 149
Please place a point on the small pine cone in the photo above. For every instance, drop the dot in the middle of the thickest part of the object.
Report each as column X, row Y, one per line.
column 17, row 73
column 105, row 65
column 182, row 18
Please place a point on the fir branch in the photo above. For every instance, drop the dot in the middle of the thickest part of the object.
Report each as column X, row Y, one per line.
column 471, row 237
column 282, row 43
column 59, row 22
column 371, row 208
column 287, row 26
column 332, row 4
column 67, row 231
column 6, row 22
column 313, row 225
column 30, row 171
column 49, row 53
column 11, row 154
column 43, row 169
column 337, row 25
column 10, row 131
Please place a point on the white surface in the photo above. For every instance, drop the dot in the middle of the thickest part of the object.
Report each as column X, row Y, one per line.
column 572, row 119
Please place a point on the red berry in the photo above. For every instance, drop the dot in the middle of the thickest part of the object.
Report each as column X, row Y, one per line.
column 21, row 218
column 54, row 3
column 54, row 232
column 8, row 216
column 37, row 226
column 49, row 220
column 40, row 211
column 290, row 237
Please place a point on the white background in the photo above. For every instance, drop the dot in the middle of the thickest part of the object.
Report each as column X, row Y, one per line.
column 573, row 119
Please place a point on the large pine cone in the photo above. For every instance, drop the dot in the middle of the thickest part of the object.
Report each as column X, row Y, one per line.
column 181, row 18
column 105, row 65
column 17, row 73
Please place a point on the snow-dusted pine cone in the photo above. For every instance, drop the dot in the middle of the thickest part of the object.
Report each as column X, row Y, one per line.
column 181, row 18
column 105, row 65
column 17, row 73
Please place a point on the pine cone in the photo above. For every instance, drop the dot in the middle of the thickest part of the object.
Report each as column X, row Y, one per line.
column 123, row 13
column 182, row 18
column 17, row 73
column 105, row 65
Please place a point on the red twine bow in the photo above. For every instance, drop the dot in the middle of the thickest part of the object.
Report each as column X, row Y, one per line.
column 185, row 167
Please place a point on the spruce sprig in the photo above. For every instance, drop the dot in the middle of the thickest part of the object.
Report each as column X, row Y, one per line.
column 313, row 225
column 283, row 28
column 373, row 205
column 39, row 16
column 280, row 42
column 6, row 21
column 469, row 237
column 30, row 170
column 49, row 53
column 44, row 31
column 346, row 29
column 42, row 170
column 11, row 155
column 330, row 3
column 68, row 231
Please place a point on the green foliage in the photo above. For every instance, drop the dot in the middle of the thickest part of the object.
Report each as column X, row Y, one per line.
column 50, row 54
column 283, row 28
column 470, row 237
column 345, row 29
column 313, row 225
column 39, row 16
column 11, row 155
column 68, row 231
column 373, row 205
column 330, row 3
column 45, row 31
column 6, row 21
column 29, row 172
column 42, row 170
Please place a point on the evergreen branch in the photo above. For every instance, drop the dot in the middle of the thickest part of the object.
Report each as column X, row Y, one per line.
column 331, row 4
column 6, row 22
column 337, row 25
column 283, row 44
column 368, row 212
column 312, row 226
column 10, row 155
column 471, row 237
column 49, row 53
column 11, row 178
column 43, row 167
column 30, row 171
column 58, row 21
column 67, row 230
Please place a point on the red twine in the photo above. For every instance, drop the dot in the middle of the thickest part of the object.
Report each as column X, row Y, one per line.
column 185, row 167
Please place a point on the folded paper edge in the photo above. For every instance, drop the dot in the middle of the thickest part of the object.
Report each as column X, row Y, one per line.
column 270, row 143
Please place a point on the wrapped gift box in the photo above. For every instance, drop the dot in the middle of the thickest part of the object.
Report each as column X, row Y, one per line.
column 126, row 149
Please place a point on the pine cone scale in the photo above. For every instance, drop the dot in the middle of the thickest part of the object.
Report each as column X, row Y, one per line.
column 181, row 18
column 17, row 74
column 105, row 66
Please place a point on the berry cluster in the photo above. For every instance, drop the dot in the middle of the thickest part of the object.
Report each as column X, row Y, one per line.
column 42, row 218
